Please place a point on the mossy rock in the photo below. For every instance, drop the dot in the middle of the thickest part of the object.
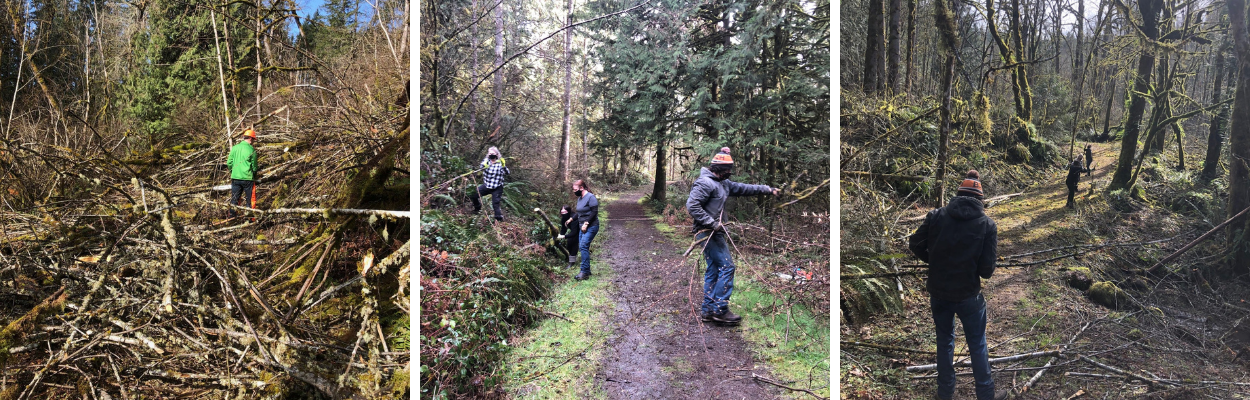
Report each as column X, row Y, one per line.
column 1078, row 280
column 1019, row 154
column 1109, row 295
column 1043, row 151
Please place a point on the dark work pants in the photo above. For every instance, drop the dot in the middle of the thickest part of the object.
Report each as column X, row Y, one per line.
column 971, row 313
column 1071, row 192
column 496, row 196
column 241, row 189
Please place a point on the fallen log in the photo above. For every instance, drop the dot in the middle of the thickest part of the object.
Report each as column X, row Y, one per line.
column 1155, row 269
column 968, row 363
column 552, row 229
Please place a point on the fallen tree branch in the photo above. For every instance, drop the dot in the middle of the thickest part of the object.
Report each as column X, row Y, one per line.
column 394, row 214
column 1149, row 381
column 968, row 363
column 1155, row 269
column 885, row 177
column 805, row 193
column 758, row 378
column 1038, row 375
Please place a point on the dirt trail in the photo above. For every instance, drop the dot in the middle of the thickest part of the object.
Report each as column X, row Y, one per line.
column 660, row 350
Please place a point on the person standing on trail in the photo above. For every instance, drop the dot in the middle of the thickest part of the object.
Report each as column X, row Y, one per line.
column 495, row 170
column 243, row 167
column 1075, row 169
column 960, row 244
column 1089, row 159
column 568, row 230
column 588, row 215
column 706, row 206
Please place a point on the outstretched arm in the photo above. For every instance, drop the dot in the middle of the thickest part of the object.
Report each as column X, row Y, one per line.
column 694, row 204
column 743, row 189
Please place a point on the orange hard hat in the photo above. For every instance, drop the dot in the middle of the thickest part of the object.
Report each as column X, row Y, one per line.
column 249, row 133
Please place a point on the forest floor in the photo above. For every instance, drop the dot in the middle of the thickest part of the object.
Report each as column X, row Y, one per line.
column 637, row 332
column 1177, row 334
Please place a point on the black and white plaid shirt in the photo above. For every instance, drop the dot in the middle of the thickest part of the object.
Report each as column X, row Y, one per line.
column 495, row 172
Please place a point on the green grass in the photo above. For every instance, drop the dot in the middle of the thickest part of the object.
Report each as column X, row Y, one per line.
column 802, row 356
column 554, row 360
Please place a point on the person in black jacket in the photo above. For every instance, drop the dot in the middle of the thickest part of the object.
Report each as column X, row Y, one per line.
column 1075, row 169
column 1089, row 159
column 960, row 244
column 568, row 225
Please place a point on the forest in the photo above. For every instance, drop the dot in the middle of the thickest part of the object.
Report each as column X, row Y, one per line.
column 126, row 273
column 633, row 98
column 1130, row 284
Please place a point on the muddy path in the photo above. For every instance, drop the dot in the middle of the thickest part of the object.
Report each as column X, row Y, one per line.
column 659, row 349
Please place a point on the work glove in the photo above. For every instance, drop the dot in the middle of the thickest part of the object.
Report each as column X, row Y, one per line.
column 560, row 237
column 717, row 226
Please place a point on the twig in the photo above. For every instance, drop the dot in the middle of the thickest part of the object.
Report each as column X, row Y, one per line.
column 1038, row 375
column 1017, row 357
column 777, row 384
column 1149, row 381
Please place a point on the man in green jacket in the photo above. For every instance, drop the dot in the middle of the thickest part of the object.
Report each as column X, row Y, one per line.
column 242, row 165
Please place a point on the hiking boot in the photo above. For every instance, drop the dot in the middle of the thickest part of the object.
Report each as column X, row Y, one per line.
column 707, row 317
column 582, row 277
column 572, row 261
column 727, row 318
column 1002, row 394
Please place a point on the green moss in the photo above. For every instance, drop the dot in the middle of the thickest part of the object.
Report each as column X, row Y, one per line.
column 1109, row 295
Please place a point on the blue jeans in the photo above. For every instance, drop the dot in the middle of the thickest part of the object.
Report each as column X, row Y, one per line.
column 583, row 246
column 971, row 312
column 718, row 281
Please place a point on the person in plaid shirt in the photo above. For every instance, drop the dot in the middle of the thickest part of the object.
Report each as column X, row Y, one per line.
column 495, row 170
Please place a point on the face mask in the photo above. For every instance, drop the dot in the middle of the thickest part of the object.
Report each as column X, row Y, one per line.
column 723, row 176
column 578, row 192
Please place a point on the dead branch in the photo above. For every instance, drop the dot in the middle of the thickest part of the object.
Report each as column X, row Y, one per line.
column 758, row 378
column 1155, row 269
column 968, row 363
column 884, row 177
column 1149, row 381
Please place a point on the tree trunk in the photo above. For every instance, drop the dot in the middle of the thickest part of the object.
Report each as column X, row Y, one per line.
column 1137, row 102
column 1020, row 77
column 473, row 78
column 895, row 51
column 563, row 162
column 1215, row 140
column 1239, row 141
column 911, row 43
column 1080, row 37
column 1106, row 119
column 498, row 86
column 874, row 55
column 658, row 190
column 946, row 19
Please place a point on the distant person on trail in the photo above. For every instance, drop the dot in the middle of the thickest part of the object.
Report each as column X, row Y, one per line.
column 496, row 170
column 1089, row 159
column 1075, row 169
column 706, row 206
column 588, row 215
column 960, row 244
column 242, row 166
column 569, row 233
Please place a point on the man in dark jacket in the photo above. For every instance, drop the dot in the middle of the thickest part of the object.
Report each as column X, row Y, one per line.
column 706, row 206
column 1089, row 159
column 960, row 244
column 1075, row 169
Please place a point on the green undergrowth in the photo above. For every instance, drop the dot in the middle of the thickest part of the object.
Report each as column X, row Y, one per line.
column 550, row 361
column 793, row 341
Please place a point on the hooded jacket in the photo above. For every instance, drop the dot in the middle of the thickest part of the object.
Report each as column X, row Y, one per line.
column 242, row 161
column 1075, row 169
column 707, row 198
column 960, row 244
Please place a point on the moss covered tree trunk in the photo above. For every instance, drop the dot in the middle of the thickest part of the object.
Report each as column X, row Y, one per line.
column 1239, row 140
column 1215, row 139
column 1137, row 101
column 947, row 26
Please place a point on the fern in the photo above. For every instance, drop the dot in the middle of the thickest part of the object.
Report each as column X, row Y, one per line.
column 863, row 298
